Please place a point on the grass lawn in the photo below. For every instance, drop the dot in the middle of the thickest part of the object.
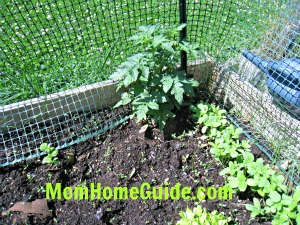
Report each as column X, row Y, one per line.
column 50, row 46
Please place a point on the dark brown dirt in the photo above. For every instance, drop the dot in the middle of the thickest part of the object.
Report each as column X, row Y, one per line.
column 123, row 157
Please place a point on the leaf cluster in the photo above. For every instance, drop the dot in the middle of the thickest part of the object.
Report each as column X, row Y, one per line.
column 284, row 207
column 51, row 152
column 200, row 215
column 154, row 86
column 211, row 118
column 244, row 172
column 222, row 136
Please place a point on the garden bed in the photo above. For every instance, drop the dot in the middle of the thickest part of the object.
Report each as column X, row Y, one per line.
column 123, row 156
column 164, row 153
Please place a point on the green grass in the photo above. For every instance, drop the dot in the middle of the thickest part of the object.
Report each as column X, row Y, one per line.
column 49, row 46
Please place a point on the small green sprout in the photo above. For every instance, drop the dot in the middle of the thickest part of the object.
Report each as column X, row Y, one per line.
column 41, row 189
column 51, row 154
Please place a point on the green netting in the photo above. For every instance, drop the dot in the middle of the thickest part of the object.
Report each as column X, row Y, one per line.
column 55, row 55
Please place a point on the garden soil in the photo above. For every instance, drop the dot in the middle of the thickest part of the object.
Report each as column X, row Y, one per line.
column 122, row 156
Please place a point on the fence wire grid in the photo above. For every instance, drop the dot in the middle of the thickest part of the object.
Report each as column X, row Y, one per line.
column 56, row 57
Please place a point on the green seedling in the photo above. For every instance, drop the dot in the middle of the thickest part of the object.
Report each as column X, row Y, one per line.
column 243, row 171
column 143, row 158
column 50, row 175
column 122, row 176
column 225, row 149
column 28, row 176
column 232, row 169
column 51, row 154
column 200, row 215
column 285, row 208
column 238, row 182
column 7, row 212
column 211, row 118
column 184, row 168
column 41, row 189
column 255, row 209
column 260, row 177
column 107, row 152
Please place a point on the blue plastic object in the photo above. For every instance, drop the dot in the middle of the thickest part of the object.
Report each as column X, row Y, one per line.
column 283, row 78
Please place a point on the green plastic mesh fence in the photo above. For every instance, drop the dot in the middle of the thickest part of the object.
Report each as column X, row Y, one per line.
column 56, row 57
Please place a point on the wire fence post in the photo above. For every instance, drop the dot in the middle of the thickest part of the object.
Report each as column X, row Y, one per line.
column 183, row 19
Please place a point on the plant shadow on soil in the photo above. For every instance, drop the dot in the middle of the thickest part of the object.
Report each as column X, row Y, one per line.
column 124, row 157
